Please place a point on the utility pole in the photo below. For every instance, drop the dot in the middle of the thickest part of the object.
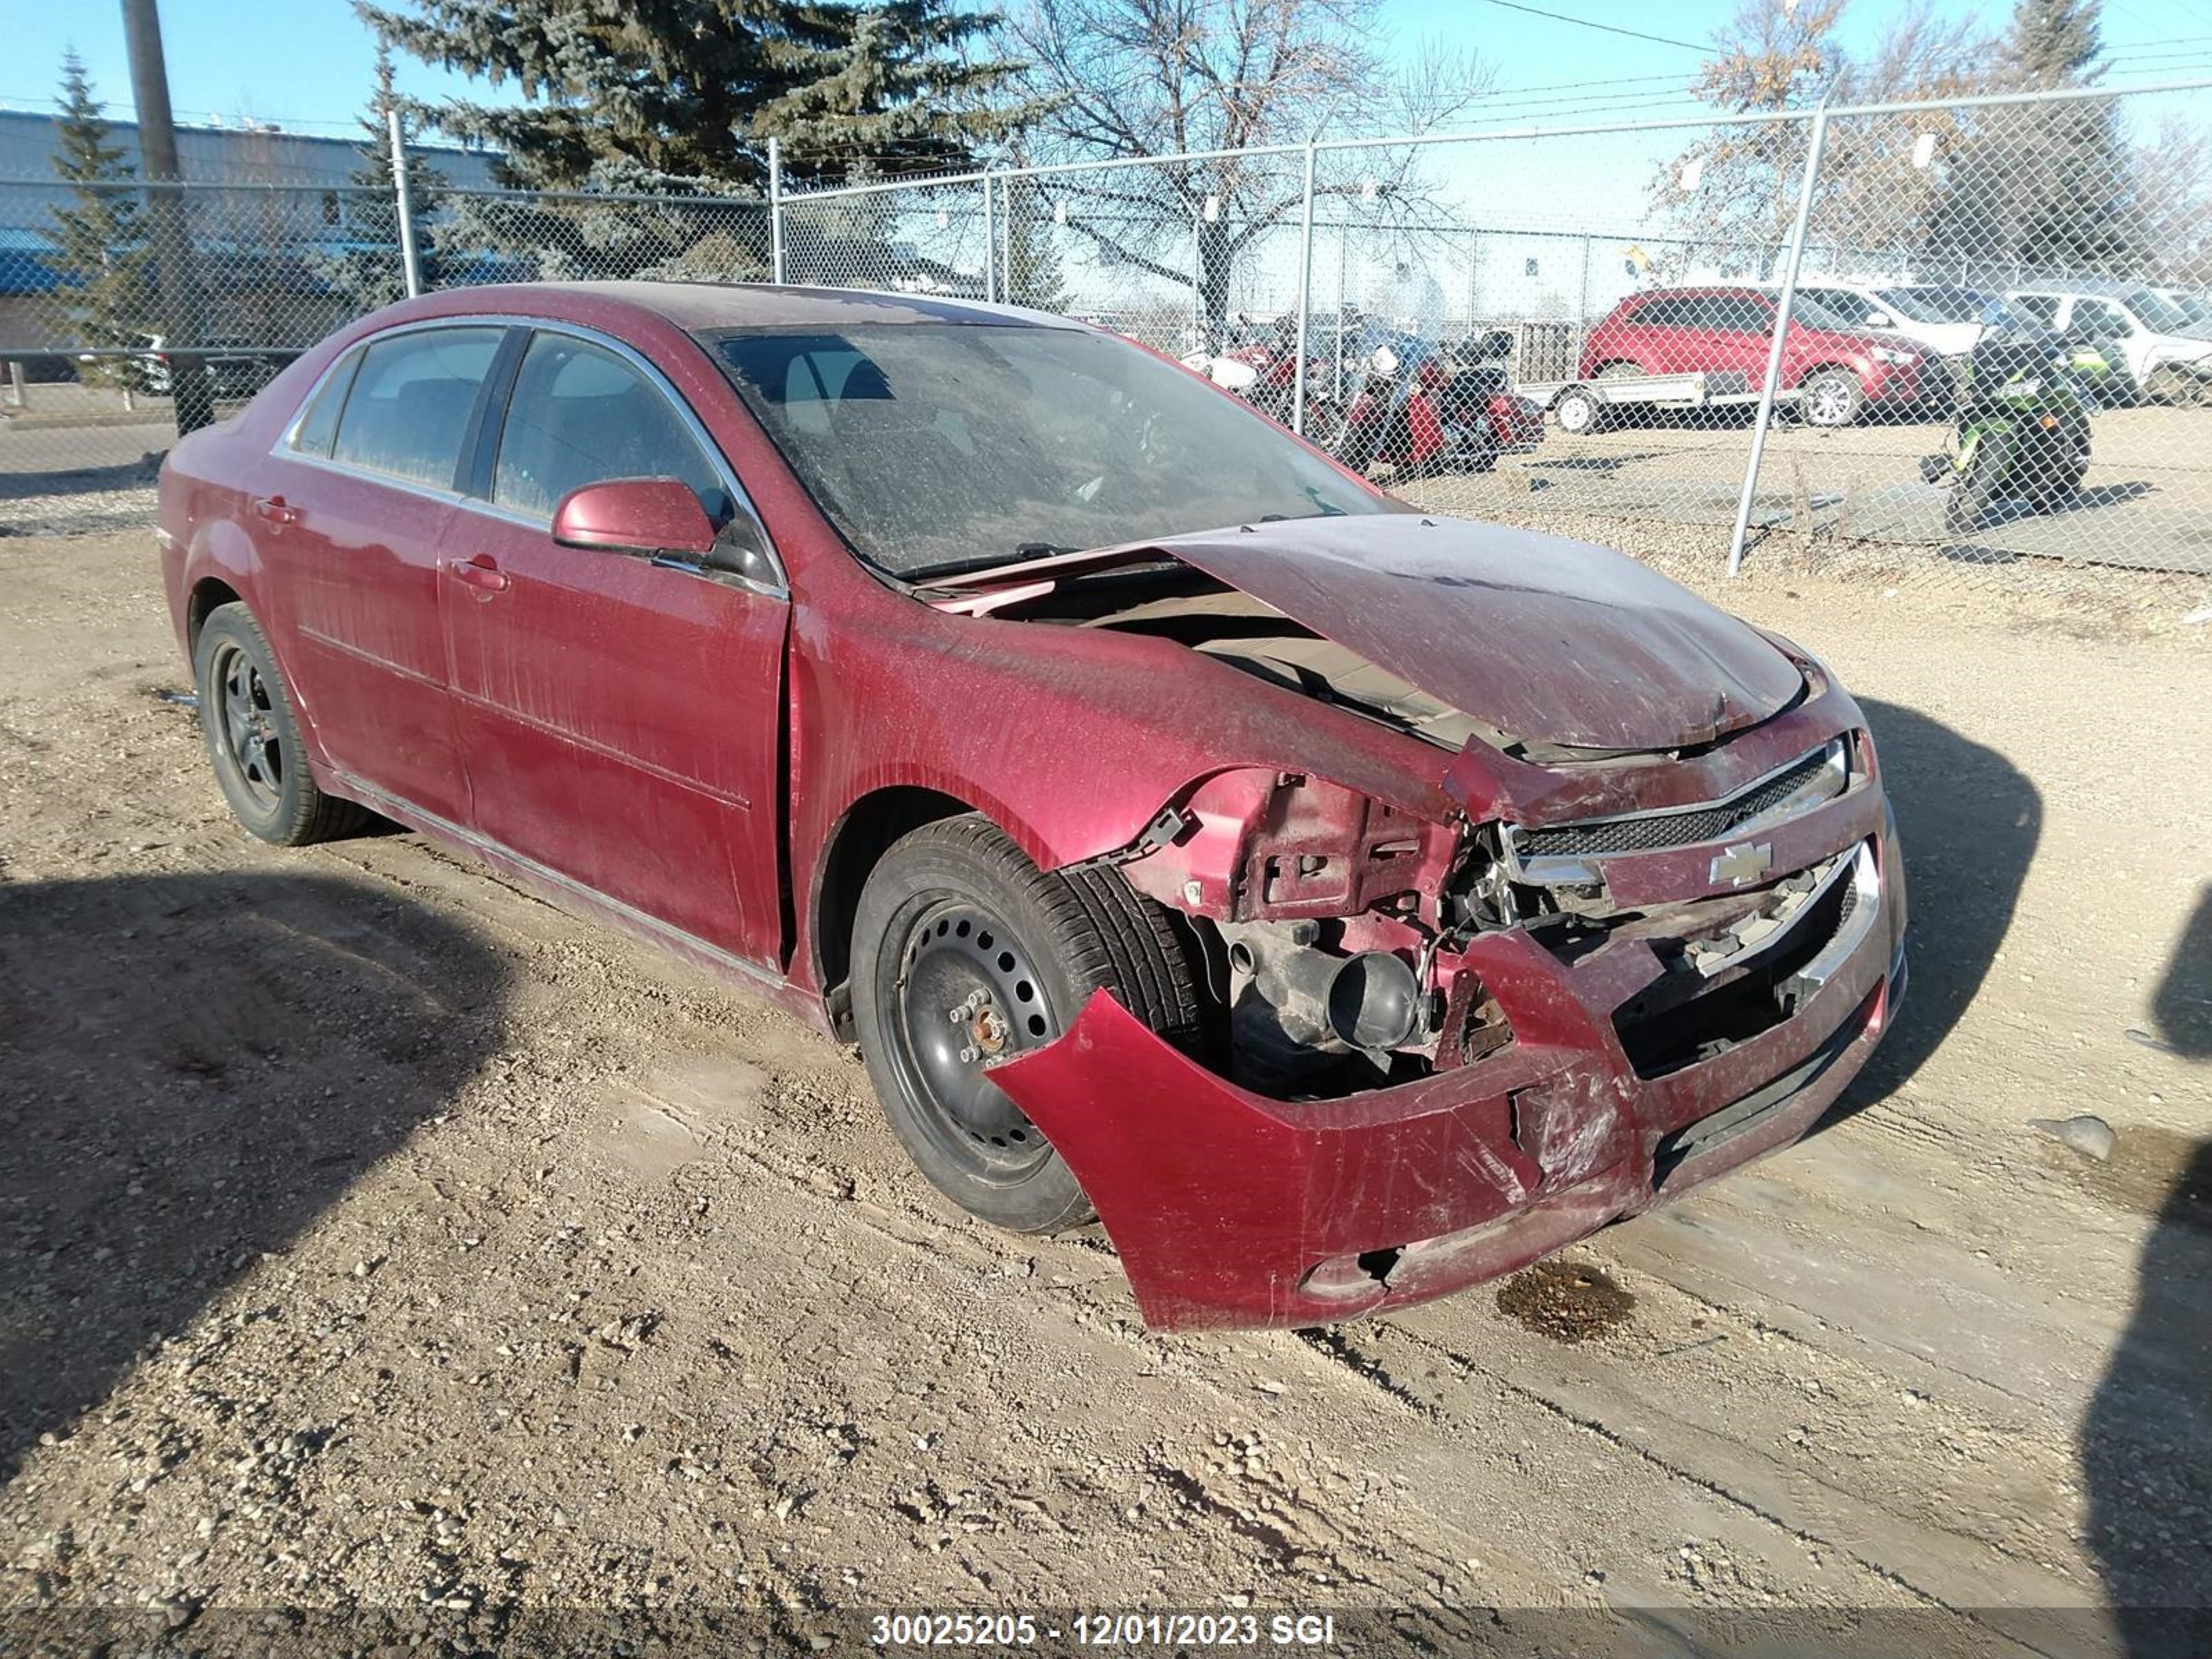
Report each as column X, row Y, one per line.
column 189, row 388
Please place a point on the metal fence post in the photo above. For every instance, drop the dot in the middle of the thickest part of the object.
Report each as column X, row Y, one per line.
column 775, row 211
column 1305, row 297
column 1006, row 240
column 410, row 261
column 1792, row 259
column 990, row 245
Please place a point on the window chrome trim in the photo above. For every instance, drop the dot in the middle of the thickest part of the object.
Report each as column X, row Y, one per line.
column 282, row 449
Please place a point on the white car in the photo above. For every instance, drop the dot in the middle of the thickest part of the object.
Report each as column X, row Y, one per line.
column 2168, row 353
column 1942, row 322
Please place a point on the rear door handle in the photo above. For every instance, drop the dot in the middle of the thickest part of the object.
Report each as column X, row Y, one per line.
column 482, row 572
column 274, row 510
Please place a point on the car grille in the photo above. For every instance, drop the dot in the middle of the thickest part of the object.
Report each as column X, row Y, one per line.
column 1654, row 831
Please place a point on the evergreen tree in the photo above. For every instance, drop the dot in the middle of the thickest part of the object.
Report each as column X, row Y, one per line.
column 366, row 269
column 694, row 88
column 2042, row 188
column 98, row 249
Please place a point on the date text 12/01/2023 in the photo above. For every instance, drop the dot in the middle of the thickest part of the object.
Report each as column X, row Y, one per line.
column 1102, row 1629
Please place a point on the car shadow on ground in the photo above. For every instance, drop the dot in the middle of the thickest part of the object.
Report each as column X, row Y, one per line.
column 193, row 1068
column 1968, row 821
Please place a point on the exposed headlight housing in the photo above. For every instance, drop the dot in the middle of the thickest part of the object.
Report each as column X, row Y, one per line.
column 1892, row 354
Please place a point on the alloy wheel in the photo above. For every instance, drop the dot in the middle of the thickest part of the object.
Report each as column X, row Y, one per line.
column 247, row 725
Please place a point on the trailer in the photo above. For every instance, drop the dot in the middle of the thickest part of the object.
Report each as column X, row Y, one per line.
column 1581, row 406
column 1546, row 356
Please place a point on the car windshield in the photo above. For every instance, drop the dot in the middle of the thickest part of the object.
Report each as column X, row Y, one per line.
column 944, row 447
column 1935, row 304
column 2160, row 313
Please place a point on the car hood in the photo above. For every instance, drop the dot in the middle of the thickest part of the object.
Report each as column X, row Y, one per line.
column 1546, row 641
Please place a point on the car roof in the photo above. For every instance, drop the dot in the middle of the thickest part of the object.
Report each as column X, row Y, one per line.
column 2101, row 287
column 1694, row 293
column 712, row 307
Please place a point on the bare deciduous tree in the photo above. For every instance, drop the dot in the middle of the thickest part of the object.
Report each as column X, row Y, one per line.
column 1126, row 78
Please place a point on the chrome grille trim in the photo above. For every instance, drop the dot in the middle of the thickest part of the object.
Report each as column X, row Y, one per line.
column 1572, row 853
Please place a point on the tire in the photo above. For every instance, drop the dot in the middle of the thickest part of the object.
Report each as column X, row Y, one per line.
column 2168, row 385
column 1578, row 412
column 1831, row 399
column 963, row 949
column 1971, row 496
column 252, row 738
column 1621, row 372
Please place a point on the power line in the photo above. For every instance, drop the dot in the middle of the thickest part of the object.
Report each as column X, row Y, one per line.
column 1585, row 23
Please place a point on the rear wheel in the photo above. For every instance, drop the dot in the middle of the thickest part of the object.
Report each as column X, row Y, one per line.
column 1832, row 398
column 1579, row 410
column 963, row 953
column 252, row 737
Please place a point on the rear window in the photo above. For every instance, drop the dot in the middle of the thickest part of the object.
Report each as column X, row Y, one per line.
column 410, row 405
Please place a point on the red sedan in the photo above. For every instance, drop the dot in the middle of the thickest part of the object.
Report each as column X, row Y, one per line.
column 1343, row 904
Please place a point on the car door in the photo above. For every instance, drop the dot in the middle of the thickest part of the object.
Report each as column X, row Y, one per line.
column 1737, row 328
column 348, row 520
column 621, row 715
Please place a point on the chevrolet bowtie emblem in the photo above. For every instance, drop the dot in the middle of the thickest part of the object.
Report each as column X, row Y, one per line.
column 1739, row 866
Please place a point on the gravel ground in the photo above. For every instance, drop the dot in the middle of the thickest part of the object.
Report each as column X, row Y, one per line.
column 378, row 1236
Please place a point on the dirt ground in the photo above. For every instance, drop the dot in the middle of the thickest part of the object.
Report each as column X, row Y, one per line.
column 374, row 1234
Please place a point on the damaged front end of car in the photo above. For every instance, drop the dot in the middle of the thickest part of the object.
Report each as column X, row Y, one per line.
column 1445, row 1048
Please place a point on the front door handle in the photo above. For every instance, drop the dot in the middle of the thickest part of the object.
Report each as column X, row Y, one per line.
column 482, row 572
column 272, row 508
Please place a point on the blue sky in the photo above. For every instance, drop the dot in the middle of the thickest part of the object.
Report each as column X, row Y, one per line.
column 305, row 63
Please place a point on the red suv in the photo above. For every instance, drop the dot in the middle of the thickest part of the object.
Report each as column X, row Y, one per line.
column 1718, row 331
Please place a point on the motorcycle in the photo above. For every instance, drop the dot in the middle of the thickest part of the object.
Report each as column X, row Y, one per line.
column 2022, row 426
column 1424, row 410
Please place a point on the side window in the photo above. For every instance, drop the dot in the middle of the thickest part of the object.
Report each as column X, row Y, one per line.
column 411, row 398
column 319, row 427
column 1841, row 302
column 1738, row 314
column 2037, row 308
column 580, row 415
column 1663, row 312
column 2093, row 319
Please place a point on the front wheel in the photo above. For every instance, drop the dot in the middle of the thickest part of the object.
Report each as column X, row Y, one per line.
column 964, row 953
column 1832, row 398
column 1976, row 489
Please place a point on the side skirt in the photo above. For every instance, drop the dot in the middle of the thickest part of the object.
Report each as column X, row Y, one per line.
column 565, row 893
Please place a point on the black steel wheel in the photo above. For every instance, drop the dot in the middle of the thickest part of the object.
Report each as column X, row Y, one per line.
column 252, row 737
column 965, row 994
column 965, row 953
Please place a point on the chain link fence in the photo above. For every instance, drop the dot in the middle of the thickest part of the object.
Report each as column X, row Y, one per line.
column 1925, row 344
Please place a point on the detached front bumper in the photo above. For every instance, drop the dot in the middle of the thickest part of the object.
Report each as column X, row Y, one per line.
column 1231, row 1209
